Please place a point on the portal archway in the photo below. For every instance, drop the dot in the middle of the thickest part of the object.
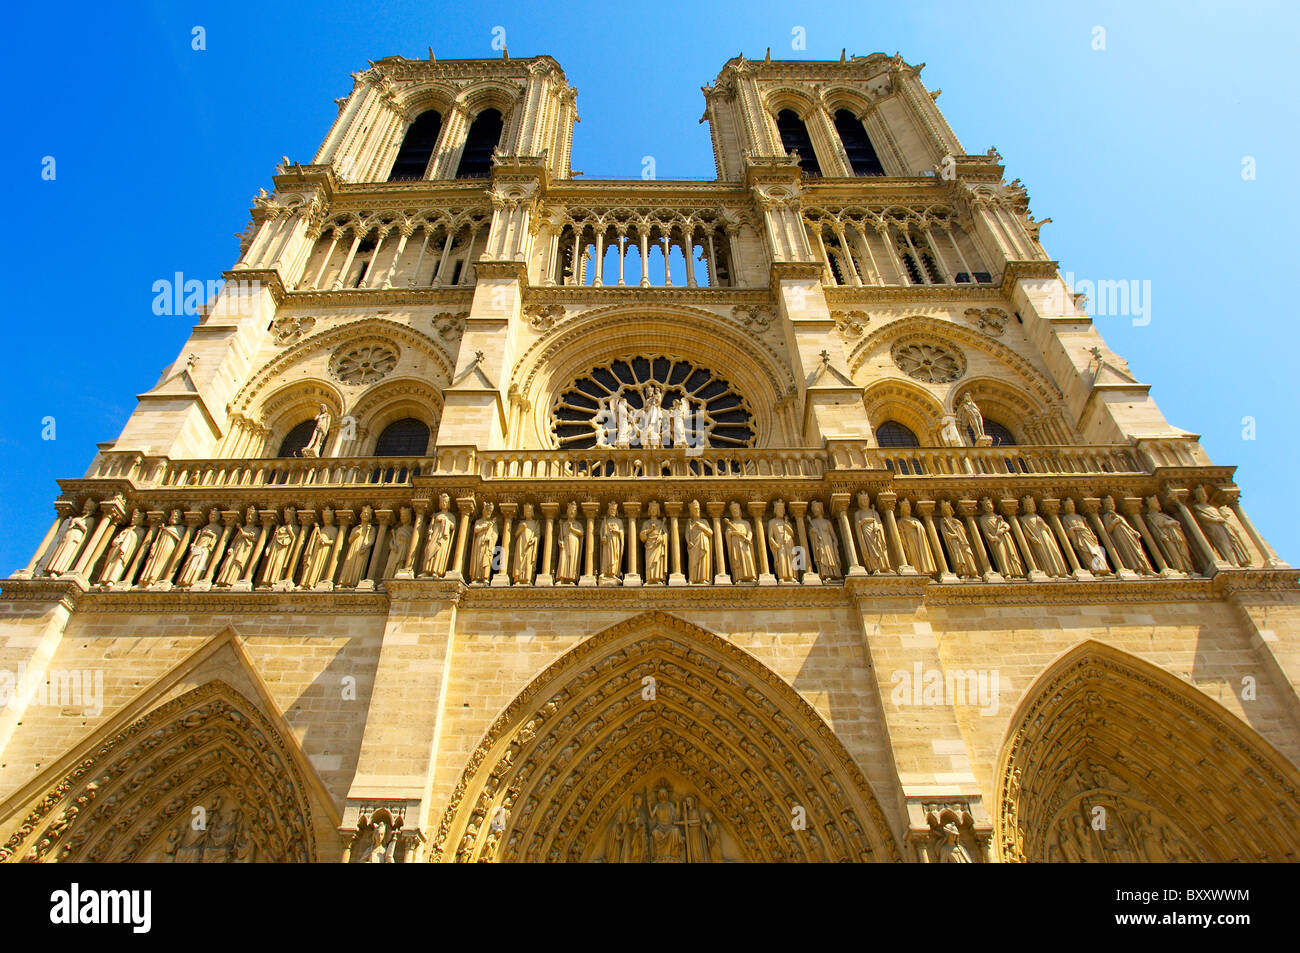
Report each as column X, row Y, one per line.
column 654, row 710
column 203, row 778
column 1111, row 759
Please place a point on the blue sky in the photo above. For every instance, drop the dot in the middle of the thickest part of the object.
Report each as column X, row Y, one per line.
column 1135, row 151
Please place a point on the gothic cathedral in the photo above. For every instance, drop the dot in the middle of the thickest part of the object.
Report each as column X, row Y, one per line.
column 494, row 513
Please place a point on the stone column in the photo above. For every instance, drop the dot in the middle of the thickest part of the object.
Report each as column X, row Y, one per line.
column 632, row 577
column 925, row 509
column 407, row 569
column 379, row 554
column 347, row 260
column 549, row 512
column 756, row 510
column 465, row 504
column 306, row 523
column 1131, row 506
column 967, row 509
column 141, row 553
column 343, row 520
column 886, row 500
column 674, row 511
column 840, row 510
column 1271, row 558
column 588, row 578
column 1051, row 509
column 111, row 514
column 797, row 509
column 508, row 511
column 720, row 575
column 1091, row 506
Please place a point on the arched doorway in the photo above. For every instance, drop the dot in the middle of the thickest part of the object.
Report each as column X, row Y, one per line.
column 203, row 778
column 656, row 741
column 1111, row 759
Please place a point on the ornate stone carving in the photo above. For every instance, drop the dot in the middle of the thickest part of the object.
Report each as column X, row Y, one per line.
column 850, row 324
column 989, row 320
column 442, row 531
column 871, row 536
column 756, row 317
column 543, row 317
column 781, row 539
column 289, row 328
column 931, row 363
column 450, row 325
column 483, row 554
column 740, row 546
column 364, row 363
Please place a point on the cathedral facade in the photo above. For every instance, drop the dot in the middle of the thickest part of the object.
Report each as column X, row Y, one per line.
column 492, row 513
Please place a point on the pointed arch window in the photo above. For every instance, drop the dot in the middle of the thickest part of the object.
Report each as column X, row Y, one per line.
column 1002, row 437
column 484, row 135
column 857, row 144
column 795, row 138
column 893, row 434
column 408, row 437
column 417, row 147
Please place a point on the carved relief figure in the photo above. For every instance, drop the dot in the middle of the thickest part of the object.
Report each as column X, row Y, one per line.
column 399, row 543
column 1169, row 537
column 524, row 548
column 240, row 550
column 1218, row 529
column 871, row 536
column 825, row 544
column 315, row 562
column 960, row 554
column 969, row 416
column 655, row 537
column 915, row 543
column 70, row 542
column 613, row 534
column 1126, row 540
column 570, row 554
column 164, row 548
column 123, row 549
column 699, row 547
column 740, row 546
column 951, row 849
column 781, row 540
column 997, row 536
column 485, row 544
column 1041, row 540
column 357, row 553
column 442, row 530
column 205, row 541
column 1082, row 538
column 665, row 838
column 280, row 547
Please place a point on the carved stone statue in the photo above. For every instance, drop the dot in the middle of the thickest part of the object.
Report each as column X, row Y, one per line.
column 634, row 850
column 165, row 544
column 1041, row 540
column 123, row 549
column 740, row 546
column 699, row 547
column 613, row 534
column 871, row 536
column 951, row 849
column 960, row 554
column 824, row 543
column 1218, row 529
column 616, row 837
column 570, row 549
column 1126, row 540
column 1082, row 538
column 713, row 835
column 485, row 544
column 652, row 429
column 915, row 542
column 1169, row 537
column 280, row 548
column 357, row 553
column 524, row 548
column 665, row 838
column 655, row 537
column 442, row 530
column 679, row 413
column 315, row 561
column 781, row 540
column 399, row 543
column 998, row 539
column 240, row 550
column 969, row 416
column 205, row 541
column 316, row 443
column 949, row 433
column 74, row 534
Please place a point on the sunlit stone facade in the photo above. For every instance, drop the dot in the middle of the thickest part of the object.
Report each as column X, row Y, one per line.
column 493, row 513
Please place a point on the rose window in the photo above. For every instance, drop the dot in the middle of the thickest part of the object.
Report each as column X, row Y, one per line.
column 363, row 363
column 929, row 362
column 651, row 402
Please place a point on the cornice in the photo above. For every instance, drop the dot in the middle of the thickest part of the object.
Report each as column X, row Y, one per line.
column 579, row 295
column 895, row 294
column 1017, row 271
column 375, row 297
